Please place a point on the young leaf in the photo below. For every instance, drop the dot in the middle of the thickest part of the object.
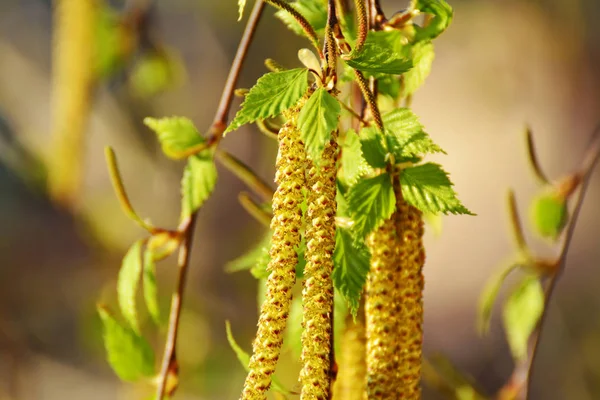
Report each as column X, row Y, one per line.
column 317, row 119
column 150, row 286
column 128, row 282
column 175, row 134
column 428, row 188
column 379, row 60
column 522, row 311
column 244, row 359
column 488, row 297
column 353, row 163
column 198, row 182
column 273, row 93
column 442, row 16
column 129, row 354
column 351, row 266
column 241, row 6
column 373, row 150
column 549, row 214
column 370, row 202
column 315, row 12
column 422, row 56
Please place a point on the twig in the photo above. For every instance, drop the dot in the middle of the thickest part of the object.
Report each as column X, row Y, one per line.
column 519, row 383
column 169, row 361
column 254, row 209
column 354, row 114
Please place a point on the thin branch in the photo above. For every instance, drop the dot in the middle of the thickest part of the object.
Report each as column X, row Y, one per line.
column 169, row 361
column 354, row 114
column 245, row 174
column 533, row 158
column 254, row 209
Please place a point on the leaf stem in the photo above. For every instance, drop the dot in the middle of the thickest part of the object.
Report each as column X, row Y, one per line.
column 254, row 209
column 245, row 174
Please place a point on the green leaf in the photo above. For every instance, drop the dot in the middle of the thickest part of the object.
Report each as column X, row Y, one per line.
column 244, row 359
column 428, row 188
column 198, row 182
column 442, row 16
column 314, row 11
column 258, row 255
column 353, row 163
column 381, row 54
column 273, row 93
column 129, row 354
column 522, row 310
column 175, row 134
column 241, row 6
column 128, row 282
column 150, row 287
column 549, row 214
column 371, row 201
column 154, row 73
column 351, row 266
column 489, row 295
column 373, row 150
column 422, row 59
column 317, row 119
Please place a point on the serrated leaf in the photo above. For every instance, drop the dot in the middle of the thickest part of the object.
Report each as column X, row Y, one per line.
column 521, row 313
column 353, row 162
column 317, row 120
column 314, row 11
column 128, row 353
column 244, row 359
column 198, row 182
column 370, row 202
column 128, row 283
column 351, row 266
column 382, row 53
column 422, row 59
column 442, row 17
column 428, row 188
column 488, row 297
column 175, row 134
column 273, row 93
column 241, row 6
column 151, row 287
column 373, row 150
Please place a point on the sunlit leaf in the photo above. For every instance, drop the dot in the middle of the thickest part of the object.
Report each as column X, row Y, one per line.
column 488, row 297
column 353, row 162
column 317, row 120
column 175, row 134
column 373, row 149
column 371, row 201
column 150, row 286
column 422, row 58
column 128, row 283
column 442, row 17
column 314, row 11
column 198, row 182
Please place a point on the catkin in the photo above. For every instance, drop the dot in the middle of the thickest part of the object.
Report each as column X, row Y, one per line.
column 72, row 84
column 285, row 224
column 383, row 313
column 409, row 225
column 350, row 382
column 317, row 295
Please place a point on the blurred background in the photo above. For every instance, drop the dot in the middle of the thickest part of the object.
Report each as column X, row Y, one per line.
column 501, row 65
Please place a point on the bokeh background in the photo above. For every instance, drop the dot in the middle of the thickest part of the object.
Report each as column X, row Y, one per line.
column 501, row 65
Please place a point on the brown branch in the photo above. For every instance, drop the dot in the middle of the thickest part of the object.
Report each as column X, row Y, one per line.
column 169, row 361
column 519, row 384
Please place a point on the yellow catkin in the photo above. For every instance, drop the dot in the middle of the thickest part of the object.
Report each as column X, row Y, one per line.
column 286, row 225
column 383, row 313
column 409, row 225
column 72, row 83
column 350, row 382
column 317, row 295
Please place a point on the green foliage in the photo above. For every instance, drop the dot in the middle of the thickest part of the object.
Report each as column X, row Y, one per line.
column 198, row 182
column 380, row 55
column 351, row 261
column 244, row 359
column 442, row 17
column 522, row 310
column 353, row 164
column 422, row 58
column 373, row 149
column 315, row 12
column 370, row 202
column 128, row 282
column 428, row 188
column 129, row 354
column 241, row 6
column 317, row 119
column 175, row 134
column 489, row 295
column 273, row 93
column 150, row 286
column 111, row 41
column 549, row 215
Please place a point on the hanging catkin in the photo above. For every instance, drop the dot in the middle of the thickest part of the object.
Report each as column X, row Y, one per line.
column 409, row 225
column 286, row 225
column 317, row 295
